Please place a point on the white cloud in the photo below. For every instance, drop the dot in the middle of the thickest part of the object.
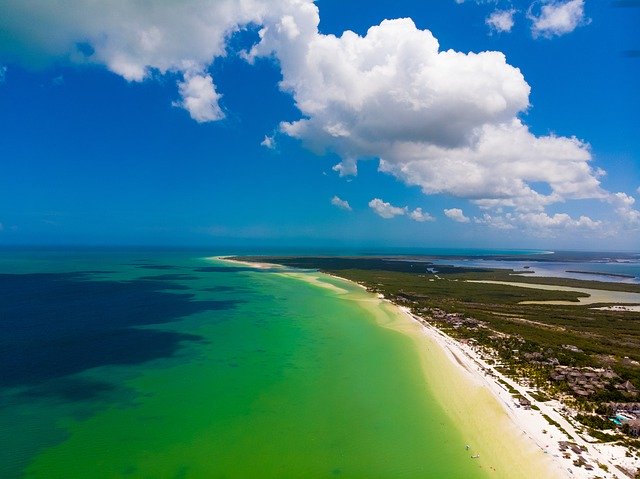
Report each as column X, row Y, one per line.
column 557, row 17
column 499, row 168
column 623, row 204
column 340, row 203
column 362, row 94
column 558, row 220
column 386, row 210
column 631, row 217
column 623, row 200
column 420, row 216
column 199, row 98
column 446, row 121
column 268, row 142
column 456, row 214
column 540, row 224
column 501, row 20
column 135, row 39
column 347, row 167
column 499, row 222
column 442, row 120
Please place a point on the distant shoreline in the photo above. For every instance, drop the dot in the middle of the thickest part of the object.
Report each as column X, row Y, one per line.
column 595, row 273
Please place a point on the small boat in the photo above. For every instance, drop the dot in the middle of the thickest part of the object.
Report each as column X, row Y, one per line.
column 467, row 447
column 475, row 456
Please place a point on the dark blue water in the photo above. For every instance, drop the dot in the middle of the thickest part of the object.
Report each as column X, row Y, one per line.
column 66, row 313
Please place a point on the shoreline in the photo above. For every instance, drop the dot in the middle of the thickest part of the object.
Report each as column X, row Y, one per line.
column 476, row 397
column 481, row 407
column 532, row 424
column 595, row 296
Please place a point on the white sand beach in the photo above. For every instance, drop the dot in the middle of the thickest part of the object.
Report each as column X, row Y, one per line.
column 509, row 441
column 526, row 425
column 250, row 264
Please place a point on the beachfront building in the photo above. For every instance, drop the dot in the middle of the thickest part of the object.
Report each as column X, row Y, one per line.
column 633, row 427
column 524, row 403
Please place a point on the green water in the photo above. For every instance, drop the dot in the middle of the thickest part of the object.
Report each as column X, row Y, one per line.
column 294, row 381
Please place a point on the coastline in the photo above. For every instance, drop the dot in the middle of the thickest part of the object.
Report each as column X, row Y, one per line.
column 595, row 296
column 479, row 411
column 534, row 442
column 477, row 398
column 504, row 441
column 468, row 386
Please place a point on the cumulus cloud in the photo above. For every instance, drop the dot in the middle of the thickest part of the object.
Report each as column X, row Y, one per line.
column 386, row 210
column 456, row 214
column 631, row 217
column 623, row 204
column 445, row 121
column 340, row 203
column 501, row 20
column 558, row 220
column 135, row 39
column 199, row 98
column 539, row 224
column 505, row 222
column 420, row 216
column 361, row 95
column 556, row 17
column 268, row 142
column 499, row 167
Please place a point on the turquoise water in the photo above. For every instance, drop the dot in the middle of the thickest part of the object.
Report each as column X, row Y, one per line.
column 166, row 364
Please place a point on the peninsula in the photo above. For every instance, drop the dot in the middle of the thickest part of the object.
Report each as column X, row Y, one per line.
column 560, row 355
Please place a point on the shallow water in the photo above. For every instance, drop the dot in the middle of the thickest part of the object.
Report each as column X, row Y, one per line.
column 594, row 295
column 611, row 271
column 166, row 364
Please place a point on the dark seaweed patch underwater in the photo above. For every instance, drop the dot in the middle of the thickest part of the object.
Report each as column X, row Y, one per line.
column 57, row 324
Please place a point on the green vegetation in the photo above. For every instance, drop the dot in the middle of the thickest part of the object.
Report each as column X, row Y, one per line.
column 538, row 396
column 601, row 338
column 552, row 422
column 527, row 342
column 593, row 421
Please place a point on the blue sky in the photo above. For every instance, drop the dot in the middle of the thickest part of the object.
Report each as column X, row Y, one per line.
column 510, row 124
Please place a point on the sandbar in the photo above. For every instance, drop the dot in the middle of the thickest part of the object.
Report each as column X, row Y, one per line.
column 595, row 295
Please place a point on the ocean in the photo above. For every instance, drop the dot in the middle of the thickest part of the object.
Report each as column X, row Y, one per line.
column 166, row 364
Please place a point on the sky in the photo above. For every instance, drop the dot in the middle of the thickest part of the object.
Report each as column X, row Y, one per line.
column 292, row 123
